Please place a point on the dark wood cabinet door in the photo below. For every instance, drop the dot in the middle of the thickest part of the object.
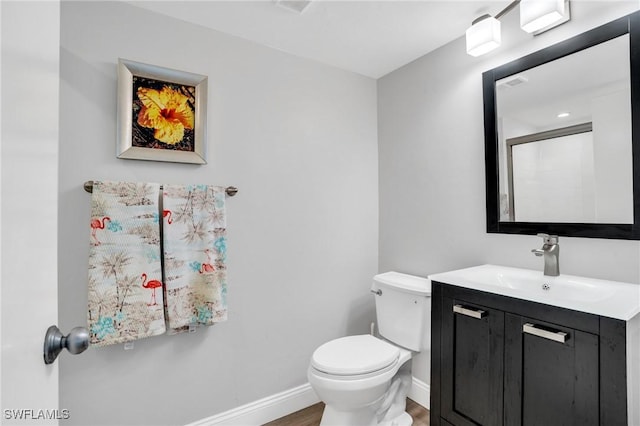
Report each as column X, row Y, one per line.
column 472, row 364
column 551, row 374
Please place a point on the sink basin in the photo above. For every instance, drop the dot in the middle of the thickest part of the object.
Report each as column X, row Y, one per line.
column 601, row 297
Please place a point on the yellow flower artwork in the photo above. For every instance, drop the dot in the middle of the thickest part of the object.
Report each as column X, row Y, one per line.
column 162, row 114
column 167, row 112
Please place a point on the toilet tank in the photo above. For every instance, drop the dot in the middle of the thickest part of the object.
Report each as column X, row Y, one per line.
column 403, row 309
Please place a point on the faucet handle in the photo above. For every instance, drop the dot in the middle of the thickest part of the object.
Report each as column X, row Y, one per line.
column 548, row 239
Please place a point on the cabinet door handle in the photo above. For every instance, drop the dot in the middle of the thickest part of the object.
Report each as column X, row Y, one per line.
column 556, row 336
column 473, row 313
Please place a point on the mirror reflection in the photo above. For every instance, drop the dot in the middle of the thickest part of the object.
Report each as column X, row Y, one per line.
column 564, row 139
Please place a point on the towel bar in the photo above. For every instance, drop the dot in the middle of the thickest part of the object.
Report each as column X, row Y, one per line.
column 230, row 190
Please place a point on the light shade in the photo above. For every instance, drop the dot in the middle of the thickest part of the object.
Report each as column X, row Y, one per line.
column 483, row 36
column 538, row 14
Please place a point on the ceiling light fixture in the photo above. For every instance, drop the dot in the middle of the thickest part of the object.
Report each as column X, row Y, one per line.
column 536, row 16
column 483, row 35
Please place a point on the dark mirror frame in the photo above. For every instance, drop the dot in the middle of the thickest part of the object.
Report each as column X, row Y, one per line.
column 629, row 24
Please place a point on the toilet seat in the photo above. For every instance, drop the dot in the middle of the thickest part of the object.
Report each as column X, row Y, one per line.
column 354, row 356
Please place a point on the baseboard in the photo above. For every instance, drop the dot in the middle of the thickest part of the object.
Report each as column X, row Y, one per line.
column 275, row 406
column 264, row 410
column 420, row 392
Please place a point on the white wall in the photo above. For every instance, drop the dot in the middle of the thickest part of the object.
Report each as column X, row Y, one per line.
column 431, row 150
column 299, row 141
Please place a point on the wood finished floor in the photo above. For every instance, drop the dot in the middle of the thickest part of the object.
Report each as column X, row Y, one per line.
column 310, row 416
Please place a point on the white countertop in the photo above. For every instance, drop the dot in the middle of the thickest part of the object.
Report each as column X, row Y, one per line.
column 612, row 299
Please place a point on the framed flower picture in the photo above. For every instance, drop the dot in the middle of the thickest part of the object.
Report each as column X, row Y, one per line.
column 161, row 114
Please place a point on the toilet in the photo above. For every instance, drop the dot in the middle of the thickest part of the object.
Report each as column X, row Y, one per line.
column 364, row 380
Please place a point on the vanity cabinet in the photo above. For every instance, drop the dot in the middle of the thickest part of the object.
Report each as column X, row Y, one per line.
column 498, row 360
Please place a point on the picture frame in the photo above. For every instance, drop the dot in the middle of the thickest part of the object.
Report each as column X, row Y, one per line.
column 162, row 114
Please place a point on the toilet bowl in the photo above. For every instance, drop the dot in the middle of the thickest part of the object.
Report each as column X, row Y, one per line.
column 352, row 376
column 364, row 380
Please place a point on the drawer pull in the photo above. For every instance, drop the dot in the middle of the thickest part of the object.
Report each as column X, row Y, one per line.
column 473, row 313
column 556, row 336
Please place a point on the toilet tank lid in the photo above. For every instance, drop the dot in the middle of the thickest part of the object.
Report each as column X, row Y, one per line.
column 409, row 283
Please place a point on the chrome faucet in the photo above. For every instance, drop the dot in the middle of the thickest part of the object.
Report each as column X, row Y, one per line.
column 551, row 252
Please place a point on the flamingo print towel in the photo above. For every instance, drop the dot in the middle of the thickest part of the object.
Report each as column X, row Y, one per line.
column 125, row 272
column 194, row 255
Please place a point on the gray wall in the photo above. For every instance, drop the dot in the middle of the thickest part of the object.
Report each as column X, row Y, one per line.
column 299, row 141
column 431, row 150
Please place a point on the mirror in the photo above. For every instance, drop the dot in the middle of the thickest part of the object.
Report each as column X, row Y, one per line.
column 562, row 136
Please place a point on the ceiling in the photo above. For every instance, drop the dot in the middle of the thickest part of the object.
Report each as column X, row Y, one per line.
column 369, row 37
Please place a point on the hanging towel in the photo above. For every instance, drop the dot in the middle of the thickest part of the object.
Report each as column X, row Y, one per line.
column 194, row 240
column 125, row 272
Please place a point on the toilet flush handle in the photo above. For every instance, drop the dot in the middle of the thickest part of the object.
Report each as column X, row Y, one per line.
column 378, row 292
